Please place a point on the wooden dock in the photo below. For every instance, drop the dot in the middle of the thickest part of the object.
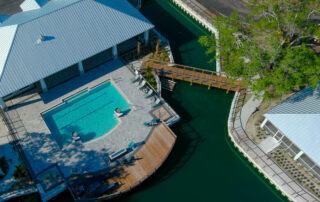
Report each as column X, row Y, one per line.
column 148, row 159
column 167, row 84
column 193, row 75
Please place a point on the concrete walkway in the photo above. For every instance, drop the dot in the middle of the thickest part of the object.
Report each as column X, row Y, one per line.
column 267, row 166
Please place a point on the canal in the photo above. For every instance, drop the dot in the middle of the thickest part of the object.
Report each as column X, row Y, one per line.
column 203, row 166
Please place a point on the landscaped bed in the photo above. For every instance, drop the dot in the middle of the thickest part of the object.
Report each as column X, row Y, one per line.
column 282, row 157
column 295, row 169
column 255, row 132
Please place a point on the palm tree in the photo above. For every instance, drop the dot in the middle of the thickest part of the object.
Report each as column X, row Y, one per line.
column 158, row 46
column 138, row 49
column 148, row 73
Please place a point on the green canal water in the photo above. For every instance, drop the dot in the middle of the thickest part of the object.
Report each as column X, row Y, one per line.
column 204, row 165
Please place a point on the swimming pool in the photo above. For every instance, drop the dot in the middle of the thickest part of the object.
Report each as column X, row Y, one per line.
column 89, row 113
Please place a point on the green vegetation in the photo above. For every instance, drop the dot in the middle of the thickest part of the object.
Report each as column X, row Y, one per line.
column 295, row 169
column 148, row 75
column 273, row 51
column 162, row 55
column 4, row 166
column 21, row 173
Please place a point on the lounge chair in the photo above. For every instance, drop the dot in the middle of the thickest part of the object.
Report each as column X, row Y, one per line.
column 142, row 84
column 153, row 122
column 117, row 154
column 136, row 78
column 149, row 93
column 156, row 102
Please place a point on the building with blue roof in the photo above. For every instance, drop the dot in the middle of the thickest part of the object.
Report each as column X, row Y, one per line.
column 51, row 42
column 295, row 123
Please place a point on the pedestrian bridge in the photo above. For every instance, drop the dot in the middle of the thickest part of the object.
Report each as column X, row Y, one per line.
column 193, row 75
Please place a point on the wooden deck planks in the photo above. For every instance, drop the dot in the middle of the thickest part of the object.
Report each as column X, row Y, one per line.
column 149, row 158
column 195, row 75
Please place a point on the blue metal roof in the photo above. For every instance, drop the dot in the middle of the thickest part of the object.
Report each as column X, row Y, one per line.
column 306, row 101
column 74, row 30
column 299, row 119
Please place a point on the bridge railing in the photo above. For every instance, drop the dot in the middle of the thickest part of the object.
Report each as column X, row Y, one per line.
column 193, row 74
column 178, row 66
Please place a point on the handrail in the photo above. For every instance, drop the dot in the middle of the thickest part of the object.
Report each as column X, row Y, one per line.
column 194, row 75
column 179, row 65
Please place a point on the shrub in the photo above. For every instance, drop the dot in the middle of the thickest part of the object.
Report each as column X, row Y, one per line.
column 20, row 173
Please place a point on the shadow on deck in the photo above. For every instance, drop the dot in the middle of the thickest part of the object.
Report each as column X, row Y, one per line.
column 149, row 157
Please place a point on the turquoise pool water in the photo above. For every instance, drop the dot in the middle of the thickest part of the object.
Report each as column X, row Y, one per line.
column 90, row 113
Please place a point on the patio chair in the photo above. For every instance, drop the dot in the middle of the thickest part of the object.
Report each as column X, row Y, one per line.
column 156, row 102
column 153, row 122
column 136, row 78
column 143, row 83
column 149, row 93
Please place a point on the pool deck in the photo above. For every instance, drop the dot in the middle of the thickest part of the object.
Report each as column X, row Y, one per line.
column 150, row 157
column 146, row 161
column 39, row 145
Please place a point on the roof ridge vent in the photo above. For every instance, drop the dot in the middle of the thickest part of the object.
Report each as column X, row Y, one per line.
column 41, row 39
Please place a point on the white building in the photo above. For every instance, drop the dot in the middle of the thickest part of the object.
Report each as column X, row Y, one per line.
column 51, row 42
column 295, row 123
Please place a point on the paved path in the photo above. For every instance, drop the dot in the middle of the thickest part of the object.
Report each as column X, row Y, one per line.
column 266, row 165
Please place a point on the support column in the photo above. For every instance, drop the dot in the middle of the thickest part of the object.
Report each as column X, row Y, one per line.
column 139, row 4
column 298, row 155
column 2, row 103
column 115, row 52
column 43, row 85
column 263, row 123
column 146, row 37
column 80, row 67
column 274, row 136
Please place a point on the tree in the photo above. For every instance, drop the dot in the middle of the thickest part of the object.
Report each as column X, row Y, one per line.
column 20, row 173
column 138, row 49
column 158, row 47
column 272, row 51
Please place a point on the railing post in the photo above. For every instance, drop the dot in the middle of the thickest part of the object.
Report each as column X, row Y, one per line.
column 184, row 68
column 2, row 104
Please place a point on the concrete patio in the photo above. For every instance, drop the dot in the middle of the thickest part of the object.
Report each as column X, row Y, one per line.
column 40, row 146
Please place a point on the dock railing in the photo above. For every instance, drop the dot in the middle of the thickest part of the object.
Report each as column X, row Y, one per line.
column 174, row 117
column 113, row 195
column 193, row 75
